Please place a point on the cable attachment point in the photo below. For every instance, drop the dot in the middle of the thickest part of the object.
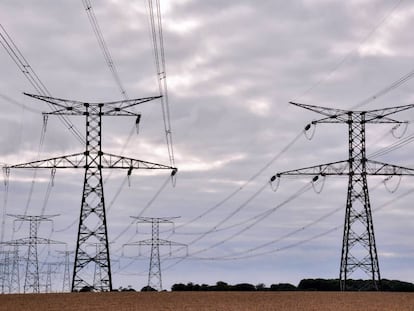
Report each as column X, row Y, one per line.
column 403, row 131
column 129, row 176
column 138, row 119
column 315, row 181
column 386, row 180
column 309, row 130
column 274, row 182
column 45, row 118
column 52, row 176
column 173, row 177
column 6, row 175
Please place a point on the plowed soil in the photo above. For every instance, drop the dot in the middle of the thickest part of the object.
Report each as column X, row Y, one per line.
column 220, row 301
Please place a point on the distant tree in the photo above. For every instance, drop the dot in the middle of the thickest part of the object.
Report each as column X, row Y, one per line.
column 261, row 287
column 127, row 289
column 220, row 286
column 245, row 287
column 396, row 286
column 179, row 287
column 319, row 285
column 148, row 289
column 282, row 287
column 86, row 289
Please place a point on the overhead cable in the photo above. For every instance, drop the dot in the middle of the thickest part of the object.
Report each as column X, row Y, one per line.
column 247, row 182
column 23, row 65
column 155, row 22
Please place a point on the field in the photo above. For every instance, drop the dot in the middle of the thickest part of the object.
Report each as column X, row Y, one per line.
column 200, row 301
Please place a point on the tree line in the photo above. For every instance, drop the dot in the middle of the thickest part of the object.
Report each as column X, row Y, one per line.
column 304, row 285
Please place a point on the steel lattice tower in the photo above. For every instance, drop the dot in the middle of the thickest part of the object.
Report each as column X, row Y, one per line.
column 154, row 272
column 359, row 249
column 5, row 272
column 31, row 281
column 15, row 272
column 10, row 271
column 92, row 221
column 66, row 273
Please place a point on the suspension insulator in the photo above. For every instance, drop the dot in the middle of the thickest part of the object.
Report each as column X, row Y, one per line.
column 129, row 171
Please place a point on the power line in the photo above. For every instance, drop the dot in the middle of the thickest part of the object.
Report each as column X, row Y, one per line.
column 351, row 52
column 245, row 184
column 161, row 72
column 104, row 48
column 237, row 256
column 21, row 62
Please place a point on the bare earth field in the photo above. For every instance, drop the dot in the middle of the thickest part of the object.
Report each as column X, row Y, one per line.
column 200, row 301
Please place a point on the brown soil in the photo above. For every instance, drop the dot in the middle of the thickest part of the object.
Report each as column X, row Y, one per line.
column 220, row 301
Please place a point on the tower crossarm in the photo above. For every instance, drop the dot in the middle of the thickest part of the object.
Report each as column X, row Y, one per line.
column 155, row 241
column 27, row 241
column 384, row 169
column 141, row 219
column 334, row 168
column 121, row 162
column 78, row 160
column 343, row 116
column 373, row 168
column 73, row 107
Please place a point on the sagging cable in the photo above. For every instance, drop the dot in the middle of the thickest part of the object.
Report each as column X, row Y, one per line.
column 403, row 131
column 315, row 181
column 274, row 182
column 397, row 185
column 309, row 130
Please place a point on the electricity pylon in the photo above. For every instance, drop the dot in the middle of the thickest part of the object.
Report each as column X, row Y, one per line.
column 358, row 247
column 66, row 273
column 154, row 272
column 49, row 272
column 5, row 264
column 15, row 271
column 31, row 281
column 10, row 279
column 92, row 220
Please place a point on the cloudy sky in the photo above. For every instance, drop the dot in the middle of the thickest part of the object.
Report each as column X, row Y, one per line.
column 232, row 68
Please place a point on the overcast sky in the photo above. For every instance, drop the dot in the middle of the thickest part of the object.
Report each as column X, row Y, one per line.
column 232, row 68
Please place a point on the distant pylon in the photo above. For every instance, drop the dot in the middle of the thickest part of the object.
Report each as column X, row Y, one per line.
column 66, row 287
column 10, row 278
column 15, row 272
column 5, row 272
column 154, row 272
column 359, row 251
column 31, row 282
column 51, row 268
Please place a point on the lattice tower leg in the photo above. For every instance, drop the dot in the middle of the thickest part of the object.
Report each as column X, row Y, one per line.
column 15, row 273
column 154, row 274
column 358, row 247
column 31, row 281
column 92, row 220
column 66, row 273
